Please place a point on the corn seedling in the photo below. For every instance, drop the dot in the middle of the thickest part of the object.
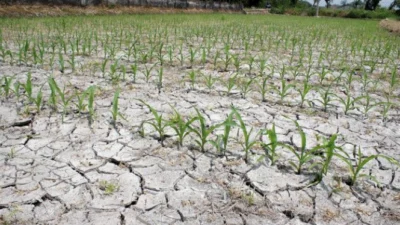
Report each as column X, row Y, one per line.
column 284, row 90
column 90, row 93
column 7, row 86
column 302, row 155
column 230, row 83
column 134, row 69
column 348, row 102
column 209, row 81
column 115, row 108
column 325, row 98
column 248, row 141
column 203, row 131
column 16, row 90
column 270, row 149
column 245, row 86
column 221, row 143
column 181, row 126
column 38, row 100
column 53, row 93
column 192, row 79
column 160, row 80
column 303, row 92
column 80, row 98
column 147, row 73
column 360, row 163
column 28, row 87
column 158, row 123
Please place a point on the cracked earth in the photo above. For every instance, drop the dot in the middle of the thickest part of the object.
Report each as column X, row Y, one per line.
column 77, row 171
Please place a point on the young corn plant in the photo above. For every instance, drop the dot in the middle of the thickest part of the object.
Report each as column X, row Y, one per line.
column 181, row 126
column 209, row 81
column 53, row 93
column 160, row 80
column 284, row 90
column 147, row 73
column 203, row 131
column 360, row 163
column 248, row 141
column 303, row 92
column 16, row 90
column 158, row 123
column 368, row 104
column 302, row 155
column 80, row 101
column 90, row 92
column 325, row 98
column 115, row 113
column 221, row 142
column 262, row 87
column 134, row 69
column 270, row 149
column 192, row 79
column 38, row 100
column 230, row 83
column 28, row 87
column 245, row 86
column 348, row 102
column 7, row 86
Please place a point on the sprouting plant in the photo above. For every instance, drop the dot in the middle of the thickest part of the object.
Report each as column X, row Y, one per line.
column 7, row 86
column 147, row 73
column 134, row 69
column 192, row 79
column 28, row 87
column 103, row 67
column 203, row 131
column 38, row 100
column 393, row 80
column 221, row 142
column 368, row 104
column 160, row 80
column 302, row 155
column 53, row 93
column 158, row 123
column 245, row 86
column 230, row 83
column 262, row 87
column 348, row 102
column 109, row 188
column 209, row 81
column 61, row 62
column 303, row 92
column 325, row 98
column 360, row 162
column 271, row 148
column 80, row 104
column 387, row 105
column 17, row 87
column 322, row 75
column 90, row 92
column 115, row 108
column 248, row 141
column 181, row 126
column 330, row 148
column 283, row 91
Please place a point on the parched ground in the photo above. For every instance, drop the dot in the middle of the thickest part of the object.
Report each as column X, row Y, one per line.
column 75, row 170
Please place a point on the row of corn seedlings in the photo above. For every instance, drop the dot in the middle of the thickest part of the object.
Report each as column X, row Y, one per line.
column 316, row 159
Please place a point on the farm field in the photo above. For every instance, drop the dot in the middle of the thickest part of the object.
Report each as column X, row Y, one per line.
column 198, row 119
